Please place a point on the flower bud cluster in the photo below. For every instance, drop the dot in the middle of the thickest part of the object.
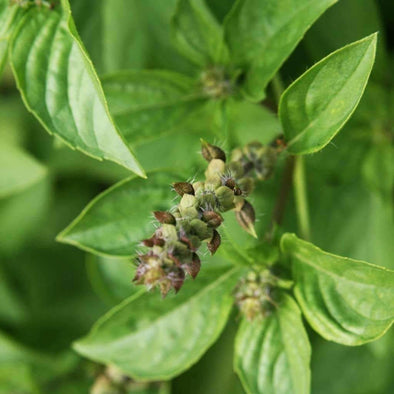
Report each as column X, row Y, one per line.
column 254, row 295
column 113, row 381
column 173, row 247
column 216, row 83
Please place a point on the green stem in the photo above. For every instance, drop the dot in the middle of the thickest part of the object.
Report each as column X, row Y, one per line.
column 299, row 183
column 277, row 87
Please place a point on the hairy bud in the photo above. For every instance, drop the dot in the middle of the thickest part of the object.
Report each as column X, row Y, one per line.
column 212, row 218
column 164, row 217
column 183, row 188
column 210, row 152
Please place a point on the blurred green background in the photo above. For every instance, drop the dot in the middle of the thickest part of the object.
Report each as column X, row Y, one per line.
column 50, row 294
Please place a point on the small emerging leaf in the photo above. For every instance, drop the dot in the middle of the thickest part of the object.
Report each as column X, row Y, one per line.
column 317, row 105
column 272, row 355
column 196, row 32
column 344, row 300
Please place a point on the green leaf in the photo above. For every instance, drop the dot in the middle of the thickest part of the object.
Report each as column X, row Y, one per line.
column 261, row 34
column 60, row 87
column 272, row 355
column 196, row 32
column 147, row 103
column 18, row 170
column 331, row 31
column 117, row 220
column 344, row 300
column 111, row 277
column 136, row 39
column 149, row 338
column 21, row 214
column 8, row 18
column 317, row 105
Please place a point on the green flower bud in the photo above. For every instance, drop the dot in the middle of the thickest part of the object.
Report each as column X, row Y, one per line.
column 268, row 158
column 225, row 197
column 215, row 169
column 235, row 169
column 192, row 241
column 236, row 154
column 207, row 200
column 168, row 232
column 188, row 206
column 201, row 229
column 198, row 188
column 211, row 152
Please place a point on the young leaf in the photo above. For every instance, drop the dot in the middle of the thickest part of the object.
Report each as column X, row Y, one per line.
column 344, row 300
column 196, row 32
column 272, row 355
column 261, row 34
column 117, row 220
column 18, row 170
column 60, row 87
column 149, row 338
column 316, row 106
column 147, row 103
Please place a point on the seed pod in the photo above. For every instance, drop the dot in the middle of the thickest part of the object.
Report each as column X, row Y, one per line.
column 192, row 242
column 230, row 183
column 210, row 152
column 183, row 188
column 214, row 243
column 193, row 268
column 153, row 241
column 212, row 218
column 225, row 197
column 164, row 217
column 176, row 277
column 246, row 217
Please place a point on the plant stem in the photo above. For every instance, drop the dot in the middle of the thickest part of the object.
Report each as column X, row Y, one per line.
column 287, row 178
column 277, row 87
column 300, row 192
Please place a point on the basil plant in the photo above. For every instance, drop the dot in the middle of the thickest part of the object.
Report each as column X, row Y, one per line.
column 219, row 242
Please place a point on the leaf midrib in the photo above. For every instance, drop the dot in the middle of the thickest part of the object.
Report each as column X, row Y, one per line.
column 159, row 318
